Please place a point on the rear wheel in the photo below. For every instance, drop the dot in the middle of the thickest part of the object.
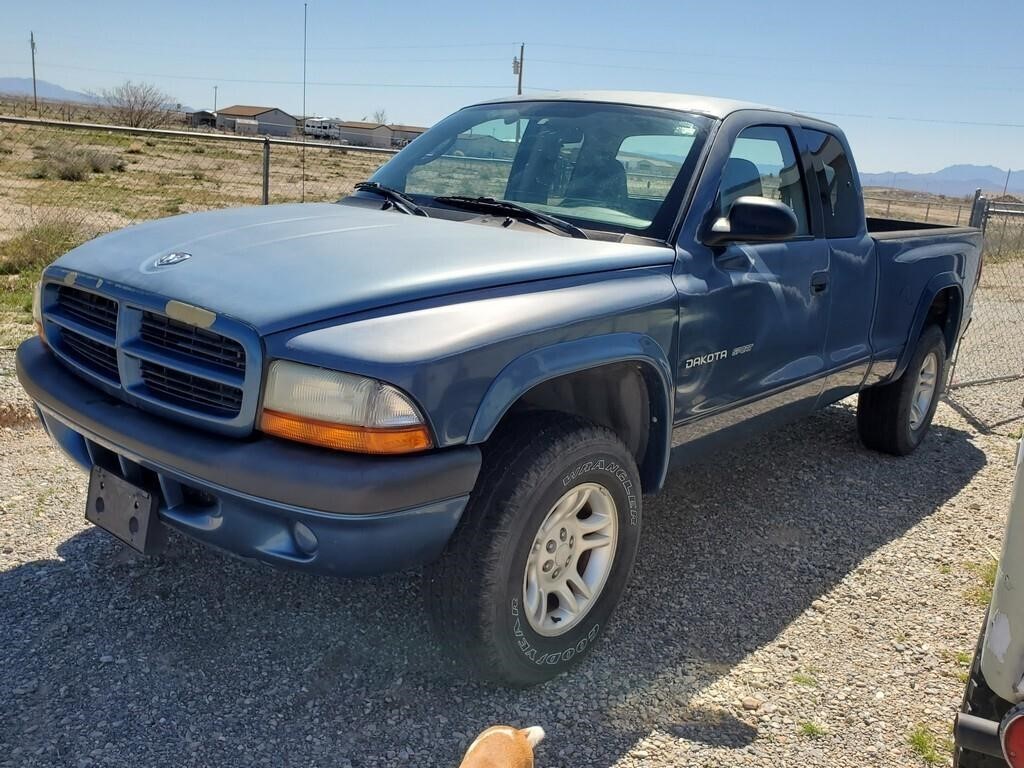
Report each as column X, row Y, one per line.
column 894, row 418
column 543, row 551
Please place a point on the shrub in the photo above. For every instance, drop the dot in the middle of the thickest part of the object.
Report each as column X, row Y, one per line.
column 69, row 169
column 73, row 165
column 104, row 162
column 37, row 246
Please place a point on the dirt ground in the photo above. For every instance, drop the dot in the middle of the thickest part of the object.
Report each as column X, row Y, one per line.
column 798, row 601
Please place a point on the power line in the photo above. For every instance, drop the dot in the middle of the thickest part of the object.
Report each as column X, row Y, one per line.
column 252, row 81
column 903, row 118
column 718, row 54
column 746, row 75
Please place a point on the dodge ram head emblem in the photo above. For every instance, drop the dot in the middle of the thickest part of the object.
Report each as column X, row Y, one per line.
column 175, row 257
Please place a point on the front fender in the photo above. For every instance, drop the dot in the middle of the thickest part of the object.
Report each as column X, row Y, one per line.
column 547, row 363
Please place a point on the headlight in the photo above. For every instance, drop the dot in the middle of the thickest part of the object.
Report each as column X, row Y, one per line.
column 339, row 410
column 37, row 308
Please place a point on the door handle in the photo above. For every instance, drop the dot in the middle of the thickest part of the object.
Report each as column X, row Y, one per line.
column 819, row 282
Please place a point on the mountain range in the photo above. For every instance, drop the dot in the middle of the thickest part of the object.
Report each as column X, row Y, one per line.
column 22, row 86
column 954, row 180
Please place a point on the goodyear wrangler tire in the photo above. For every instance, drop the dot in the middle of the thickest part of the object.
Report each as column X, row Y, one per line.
column 894, row 418
column 543, row 552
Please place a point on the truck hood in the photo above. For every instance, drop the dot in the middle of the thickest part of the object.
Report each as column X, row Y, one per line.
column 281, row 266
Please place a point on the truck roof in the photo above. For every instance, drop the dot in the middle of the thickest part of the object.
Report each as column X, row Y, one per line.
column 684, row 102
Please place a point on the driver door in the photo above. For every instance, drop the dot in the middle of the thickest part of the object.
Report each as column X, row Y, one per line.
column 753, row 321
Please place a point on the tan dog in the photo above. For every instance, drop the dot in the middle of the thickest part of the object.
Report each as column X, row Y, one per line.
column 502, row 746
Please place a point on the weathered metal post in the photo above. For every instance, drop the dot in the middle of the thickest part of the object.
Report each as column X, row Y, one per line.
column 978, row 210
column 266, row 170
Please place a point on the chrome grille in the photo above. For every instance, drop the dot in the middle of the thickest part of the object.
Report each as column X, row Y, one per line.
column 97, row 357
column 89, row 308
column 165, row 333
column 191, row 391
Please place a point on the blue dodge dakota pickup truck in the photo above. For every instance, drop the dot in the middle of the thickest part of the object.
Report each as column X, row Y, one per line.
column 480, row 361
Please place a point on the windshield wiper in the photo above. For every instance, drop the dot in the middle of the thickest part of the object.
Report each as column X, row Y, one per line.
column 397, row 199
column 512, row 210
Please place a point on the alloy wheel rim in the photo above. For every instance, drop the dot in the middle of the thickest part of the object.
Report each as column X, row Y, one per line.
column 924, row 391
column 570, row 559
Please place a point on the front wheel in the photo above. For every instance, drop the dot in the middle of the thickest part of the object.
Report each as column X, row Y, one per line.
column 894, row 418
column 543, row 552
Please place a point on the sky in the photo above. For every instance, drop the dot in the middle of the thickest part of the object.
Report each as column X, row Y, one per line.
column 916, row 84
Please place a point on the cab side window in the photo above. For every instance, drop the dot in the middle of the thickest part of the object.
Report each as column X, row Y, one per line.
column 839, row 200
column 764, row 163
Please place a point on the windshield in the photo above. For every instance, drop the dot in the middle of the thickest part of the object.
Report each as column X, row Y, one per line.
column 601, row 166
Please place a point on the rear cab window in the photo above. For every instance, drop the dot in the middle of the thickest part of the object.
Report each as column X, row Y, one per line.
column 839, row 194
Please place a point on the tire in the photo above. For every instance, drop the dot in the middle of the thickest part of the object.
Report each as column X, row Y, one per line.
column 888, row 420
column 482, row 602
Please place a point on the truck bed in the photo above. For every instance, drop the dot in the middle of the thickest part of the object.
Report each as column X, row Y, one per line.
column 898, row 229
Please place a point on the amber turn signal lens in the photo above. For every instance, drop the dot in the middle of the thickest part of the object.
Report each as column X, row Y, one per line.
column 344, row 437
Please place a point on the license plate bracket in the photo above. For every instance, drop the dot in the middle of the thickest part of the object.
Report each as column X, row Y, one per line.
column 125, row 510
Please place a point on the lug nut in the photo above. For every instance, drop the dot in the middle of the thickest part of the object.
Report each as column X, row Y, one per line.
column 548, row 565
column 556, row 572
column 572, row 541
column 551, row 546
column 562, row 534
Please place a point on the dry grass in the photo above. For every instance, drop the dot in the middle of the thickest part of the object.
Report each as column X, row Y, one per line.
column 930, row 748
column 60, row 187
column 22, row 258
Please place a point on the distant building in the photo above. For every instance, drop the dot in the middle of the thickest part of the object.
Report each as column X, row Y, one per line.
column 270, row 121
column 403, row 134
column 482, row 145
column 200, row 119
column 245, row 127
column 361, row 134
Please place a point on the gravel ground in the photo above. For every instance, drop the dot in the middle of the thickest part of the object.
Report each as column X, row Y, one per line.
column 799, row 601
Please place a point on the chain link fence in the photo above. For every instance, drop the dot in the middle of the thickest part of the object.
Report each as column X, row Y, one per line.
column 63, row 183
column 987, row 379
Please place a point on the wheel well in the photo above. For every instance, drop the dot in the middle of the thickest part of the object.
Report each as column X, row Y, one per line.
column 617, row 396
column 945, row 313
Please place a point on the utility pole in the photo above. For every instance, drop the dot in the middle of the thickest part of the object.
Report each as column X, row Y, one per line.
column 215, row 99
column 305, row 7
column 517, row 67
column 32, row 44
column 1006, row 186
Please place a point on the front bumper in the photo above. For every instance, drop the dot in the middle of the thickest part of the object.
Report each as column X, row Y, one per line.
column 267, row 499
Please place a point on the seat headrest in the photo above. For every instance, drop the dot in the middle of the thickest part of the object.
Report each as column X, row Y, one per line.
column 739, row 178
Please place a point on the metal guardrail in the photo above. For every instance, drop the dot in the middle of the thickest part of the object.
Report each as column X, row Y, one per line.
column 266, row 142
column 201, row 135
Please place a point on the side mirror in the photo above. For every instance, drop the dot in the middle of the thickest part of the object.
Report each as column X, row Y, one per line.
column 754, row 220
